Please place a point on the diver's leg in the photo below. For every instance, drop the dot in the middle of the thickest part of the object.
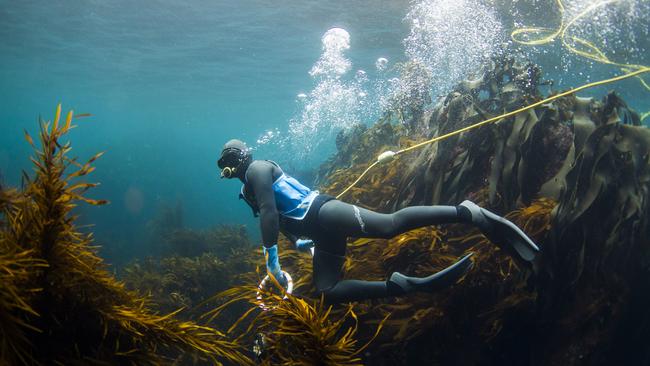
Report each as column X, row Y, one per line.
column 329, row 256
column 349, row 220
column 327, row 273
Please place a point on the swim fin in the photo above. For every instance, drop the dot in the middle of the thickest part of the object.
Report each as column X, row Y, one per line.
column 399, row 284
column 502, row 232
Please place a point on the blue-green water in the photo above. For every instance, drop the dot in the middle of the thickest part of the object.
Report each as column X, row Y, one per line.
column 169, row 82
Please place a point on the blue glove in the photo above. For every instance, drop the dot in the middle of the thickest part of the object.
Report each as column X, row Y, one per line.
column 304, row 245
column 273, row 264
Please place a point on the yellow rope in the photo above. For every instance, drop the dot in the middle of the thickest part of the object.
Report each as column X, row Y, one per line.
column 644, row 116
column 522, row 36
column 497, row 118
column 536, row 30
column 590, row 50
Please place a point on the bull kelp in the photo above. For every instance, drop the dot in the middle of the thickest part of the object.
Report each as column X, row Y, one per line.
column 60, row 305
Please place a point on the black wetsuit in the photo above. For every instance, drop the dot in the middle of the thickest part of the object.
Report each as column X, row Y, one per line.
column 329, row 222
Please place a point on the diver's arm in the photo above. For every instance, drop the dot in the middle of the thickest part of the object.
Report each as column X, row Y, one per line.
column 260, row 176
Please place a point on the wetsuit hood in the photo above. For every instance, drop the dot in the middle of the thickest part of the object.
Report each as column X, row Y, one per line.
column 235, row 159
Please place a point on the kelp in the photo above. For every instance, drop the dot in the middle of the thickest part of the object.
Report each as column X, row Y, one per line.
column 176, row 281
column 572, row 174
column 599, row 254
column 16, row 268
column 168, row 236
column 60, row 304
column 191, row 265
column 357, row 149
column 294, row 331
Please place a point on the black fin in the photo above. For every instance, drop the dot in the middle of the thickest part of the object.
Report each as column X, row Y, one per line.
column 401, row 284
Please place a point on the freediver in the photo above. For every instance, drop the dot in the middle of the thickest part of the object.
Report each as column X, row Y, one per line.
column 285, row 205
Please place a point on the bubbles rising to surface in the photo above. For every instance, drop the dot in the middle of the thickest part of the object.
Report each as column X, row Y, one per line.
column 381, row 64
column 452, row 38
column 333, row 105
column 332, row 62
column 447, row 41
column 336, row 102
column 268, row 137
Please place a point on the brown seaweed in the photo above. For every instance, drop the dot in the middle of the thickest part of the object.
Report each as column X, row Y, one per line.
column 176, row 281
column 294, row 330
column 571, row 173
column 60, row 304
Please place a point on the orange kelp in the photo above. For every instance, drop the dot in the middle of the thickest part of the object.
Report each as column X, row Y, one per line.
column 59, row 303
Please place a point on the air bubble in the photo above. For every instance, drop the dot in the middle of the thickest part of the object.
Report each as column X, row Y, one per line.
column 381, row 63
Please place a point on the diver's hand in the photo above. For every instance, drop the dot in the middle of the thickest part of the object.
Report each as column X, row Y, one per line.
column 282, row 280
column 304, row 245
column 272, row 262
column 279, row 277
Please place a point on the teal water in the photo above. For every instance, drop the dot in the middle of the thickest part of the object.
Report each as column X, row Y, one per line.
column 169, row 82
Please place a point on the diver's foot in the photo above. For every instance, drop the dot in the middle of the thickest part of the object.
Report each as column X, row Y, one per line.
column 502, row 232
column 399, row 284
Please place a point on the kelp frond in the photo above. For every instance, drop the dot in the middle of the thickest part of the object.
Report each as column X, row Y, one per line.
column 297, row 331
column 150, row 331
column 15, row 310
column 59, row 302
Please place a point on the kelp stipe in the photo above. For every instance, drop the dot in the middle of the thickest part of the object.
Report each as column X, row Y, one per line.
column 60, row 304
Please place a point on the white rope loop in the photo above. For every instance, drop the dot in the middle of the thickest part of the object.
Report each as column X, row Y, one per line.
column 267, row 280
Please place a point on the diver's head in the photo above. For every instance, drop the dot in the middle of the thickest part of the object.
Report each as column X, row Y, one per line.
column 234, row 160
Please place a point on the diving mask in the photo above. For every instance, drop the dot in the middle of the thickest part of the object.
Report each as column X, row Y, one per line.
column 230, row 161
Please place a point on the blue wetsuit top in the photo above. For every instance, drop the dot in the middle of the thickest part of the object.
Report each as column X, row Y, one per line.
column 272, row 193
column 292, row 198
